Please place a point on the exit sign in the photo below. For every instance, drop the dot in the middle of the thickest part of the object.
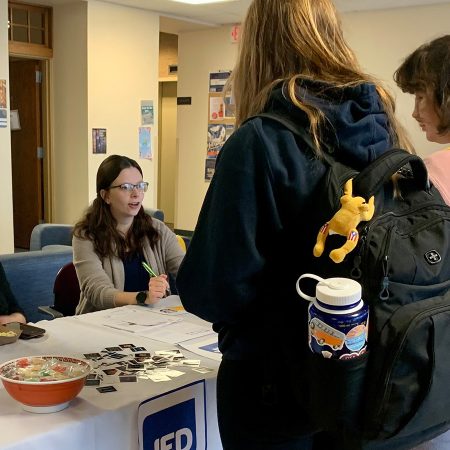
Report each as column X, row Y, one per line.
column 235, row 33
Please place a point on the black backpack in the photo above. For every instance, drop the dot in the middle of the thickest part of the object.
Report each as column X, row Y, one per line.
column 397, row 395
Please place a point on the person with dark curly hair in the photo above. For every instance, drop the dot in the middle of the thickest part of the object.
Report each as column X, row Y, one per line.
column 426, row 74
column 115, row 237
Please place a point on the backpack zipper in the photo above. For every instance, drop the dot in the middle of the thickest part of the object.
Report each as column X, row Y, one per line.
column 356, row 272
column 421, row 226
column 383, row 295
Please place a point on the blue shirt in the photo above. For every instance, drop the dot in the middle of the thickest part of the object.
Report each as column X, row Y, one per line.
column 136, row 278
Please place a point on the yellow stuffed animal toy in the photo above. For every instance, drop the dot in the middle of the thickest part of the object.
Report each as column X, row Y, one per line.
column 353, row 210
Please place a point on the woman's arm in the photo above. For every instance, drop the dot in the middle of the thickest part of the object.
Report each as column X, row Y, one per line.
column 14, row 317
column 13, row 312
column 221, row 276
column 96, row 280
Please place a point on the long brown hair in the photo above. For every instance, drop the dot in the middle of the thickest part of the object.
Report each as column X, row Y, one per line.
column 427, row 69
column 99, row 225
column 291, row 40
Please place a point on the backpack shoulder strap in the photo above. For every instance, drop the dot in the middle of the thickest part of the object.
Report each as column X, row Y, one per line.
column 379, row 172
column 375, row 175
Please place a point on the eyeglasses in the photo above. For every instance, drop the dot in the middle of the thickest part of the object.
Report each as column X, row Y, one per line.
column 129, row 187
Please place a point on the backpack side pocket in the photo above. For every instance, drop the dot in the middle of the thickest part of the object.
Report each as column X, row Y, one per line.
column 409, row 388
column 337, row 391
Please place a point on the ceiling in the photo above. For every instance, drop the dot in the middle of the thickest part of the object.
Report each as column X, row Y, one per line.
column 178, row 17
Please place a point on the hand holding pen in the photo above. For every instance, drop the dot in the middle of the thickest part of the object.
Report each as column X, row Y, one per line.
column 157, row 286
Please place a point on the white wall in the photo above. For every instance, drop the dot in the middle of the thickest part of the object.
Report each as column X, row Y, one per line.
column 69, row 122
column 105, row 63
column 6, row 206
column 123, row 49
column 199, row 53
column 381, row 40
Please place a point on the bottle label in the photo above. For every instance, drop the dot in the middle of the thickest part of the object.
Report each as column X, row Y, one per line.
column 338, row 335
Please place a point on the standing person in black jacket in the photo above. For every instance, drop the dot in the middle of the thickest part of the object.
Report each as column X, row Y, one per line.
column 10, row 311
column 256, row 230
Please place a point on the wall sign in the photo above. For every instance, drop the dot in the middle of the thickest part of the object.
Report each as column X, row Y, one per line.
column 184, row 100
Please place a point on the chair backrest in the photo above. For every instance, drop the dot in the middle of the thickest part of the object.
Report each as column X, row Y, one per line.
column 66, row 290
column 50, row 234
column 156, row 213
column 181, row 242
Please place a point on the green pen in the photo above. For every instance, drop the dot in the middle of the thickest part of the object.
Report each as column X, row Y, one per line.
column 148, row 269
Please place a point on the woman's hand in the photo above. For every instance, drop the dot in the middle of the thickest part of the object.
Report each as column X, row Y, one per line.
column 14, row 317
column 157, row 288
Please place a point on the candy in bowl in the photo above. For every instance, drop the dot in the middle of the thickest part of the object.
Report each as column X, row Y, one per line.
column 44, row 384
column 9, row 333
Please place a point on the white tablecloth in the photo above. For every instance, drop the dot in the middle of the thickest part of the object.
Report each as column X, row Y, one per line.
column 93, row 421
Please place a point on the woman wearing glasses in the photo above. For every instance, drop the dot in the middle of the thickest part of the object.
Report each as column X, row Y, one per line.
column 115, row 237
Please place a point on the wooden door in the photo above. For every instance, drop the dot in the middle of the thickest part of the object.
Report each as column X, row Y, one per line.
column 27, row 166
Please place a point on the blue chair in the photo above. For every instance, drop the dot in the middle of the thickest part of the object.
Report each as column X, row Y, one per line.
column 31, row 276
column 156, row 213
column 51, row 234
column 56, row 236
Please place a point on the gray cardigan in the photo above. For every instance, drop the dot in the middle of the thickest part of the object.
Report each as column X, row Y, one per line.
column 101, row 278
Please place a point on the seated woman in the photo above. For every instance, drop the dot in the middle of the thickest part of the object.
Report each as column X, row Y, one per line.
column 10, row 311
column 115, row 237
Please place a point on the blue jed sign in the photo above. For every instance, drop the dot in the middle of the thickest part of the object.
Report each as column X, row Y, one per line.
column 174, row 420
column 172, row 428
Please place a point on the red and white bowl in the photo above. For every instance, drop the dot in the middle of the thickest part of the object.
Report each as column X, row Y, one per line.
column 44, row 384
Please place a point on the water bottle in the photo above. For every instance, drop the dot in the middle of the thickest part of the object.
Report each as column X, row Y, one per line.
column 338, row 319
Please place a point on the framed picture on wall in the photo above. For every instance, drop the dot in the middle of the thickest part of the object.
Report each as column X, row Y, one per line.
column 98, row 140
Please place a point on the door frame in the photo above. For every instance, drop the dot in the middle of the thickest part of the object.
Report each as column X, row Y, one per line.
column 47, row 141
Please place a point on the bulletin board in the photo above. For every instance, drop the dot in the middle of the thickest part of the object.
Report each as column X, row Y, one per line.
column 221, row 119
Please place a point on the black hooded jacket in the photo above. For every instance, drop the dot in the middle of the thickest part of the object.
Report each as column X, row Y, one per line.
column 255, row 231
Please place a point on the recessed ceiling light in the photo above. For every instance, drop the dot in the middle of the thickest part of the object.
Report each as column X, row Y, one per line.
column 201, row 2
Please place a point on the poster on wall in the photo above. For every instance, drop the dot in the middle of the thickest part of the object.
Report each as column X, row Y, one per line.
column 98, row 140
column 217, row 80
column 145, row 143
column 147, row 113
column 221, row 119
column 216, row 108
column 210, row 167
column 3, row 110
column 230, row 107
column 216, row 138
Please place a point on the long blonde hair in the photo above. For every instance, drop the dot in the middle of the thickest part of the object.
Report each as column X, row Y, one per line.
column 288, row 40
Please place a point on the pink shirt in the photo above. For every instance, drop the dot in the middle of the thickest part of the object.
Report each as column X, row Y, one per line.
column 438, row 165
